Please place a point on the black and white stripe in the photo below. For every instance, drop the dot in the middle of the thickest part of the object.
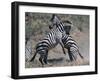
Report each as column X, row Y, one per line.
column 67, row 41
column 59, row 34
column 72, row 46
column 48, row 42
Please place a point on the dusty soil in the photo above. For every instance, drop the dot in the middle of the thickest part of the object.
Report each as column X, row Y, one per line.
column 56, row 56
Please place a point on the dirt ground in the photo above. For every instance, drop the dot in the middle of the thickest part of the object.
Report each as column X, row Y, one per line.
column 56, row 58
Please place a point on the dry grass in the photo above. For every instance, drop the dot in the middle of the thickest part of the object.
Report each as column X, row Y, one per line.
column 57, row 58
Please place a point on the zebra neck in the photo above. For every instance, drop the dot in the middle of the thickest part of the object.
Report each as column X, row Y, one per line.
column 60, row 26
column 60, row 29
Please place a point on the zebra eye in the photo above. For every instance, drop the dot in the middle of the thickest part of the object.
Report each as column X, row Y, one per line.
column 50, row 27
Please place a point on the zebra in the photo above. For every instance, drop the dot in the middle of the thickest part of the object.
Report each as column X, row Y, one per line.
column 51, row 40
column 67, row 41
column 72, row 46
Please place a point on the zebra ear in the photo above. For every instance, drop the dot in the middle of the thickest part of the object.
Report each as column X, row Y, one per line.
column 53, row 16
column 50, row 27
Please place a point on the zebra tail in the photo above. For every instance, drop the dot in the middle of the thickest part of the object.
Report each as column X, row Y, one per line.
column 32, row 59
column 81, row 55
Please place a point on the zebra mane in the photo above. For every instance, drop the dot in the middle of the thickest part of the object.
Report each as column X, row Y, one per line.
column 56, row 20
column 65, row 25
column 55, row 16
column 52, row 17
column 67, row 21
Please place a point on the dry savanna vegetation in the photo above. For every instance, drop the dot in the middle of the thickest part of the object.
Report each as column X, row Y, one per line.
column 37, row 26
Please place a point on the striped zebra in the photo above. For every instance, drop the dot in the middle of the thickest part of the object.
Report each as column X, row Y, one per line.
column 67, row 41
column 72, row 46
column 51, row 40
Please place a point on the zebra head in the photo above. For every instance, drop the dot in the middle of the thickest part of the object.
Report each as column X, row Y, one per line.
column 54, row 20
column 63, row 26
column 67, row 26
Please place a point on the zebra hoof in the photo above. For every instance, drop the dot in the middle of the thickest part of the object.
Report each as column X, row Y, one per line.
column 49, row 64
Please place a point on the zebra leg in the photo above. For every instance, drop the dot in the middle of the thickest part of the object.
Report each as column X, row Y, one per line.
column 41, row 60
column 63, row 48
column 45, row 58
column 71, row 56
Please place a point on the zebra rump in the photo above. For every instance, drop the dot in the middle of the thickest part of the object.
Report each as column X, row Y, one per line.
column 72, row 46
column 43, row 46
